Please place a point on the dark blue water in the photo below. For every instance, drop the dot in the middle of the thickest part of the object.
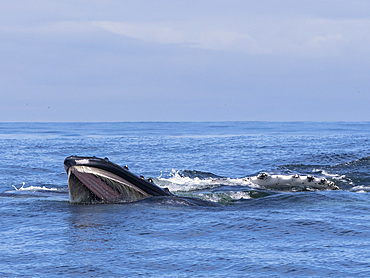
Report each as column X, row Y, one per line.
column 255, row 232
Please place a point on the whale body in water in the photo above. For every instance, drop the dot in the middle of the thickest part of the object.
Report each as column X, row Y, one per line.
column 97, row 180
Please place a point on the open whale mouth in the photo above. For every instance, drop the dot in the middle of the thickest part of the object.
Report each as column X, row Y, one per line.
column 88, row 184
column 92, row 179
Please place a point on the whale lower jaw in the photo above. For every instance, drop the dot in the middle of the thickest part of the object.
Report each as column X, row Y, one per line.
column 93, row 185
column 292, row 182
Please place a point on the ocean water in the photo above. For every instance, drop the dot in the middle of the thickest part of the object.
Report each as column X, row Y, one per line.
column 250, row 231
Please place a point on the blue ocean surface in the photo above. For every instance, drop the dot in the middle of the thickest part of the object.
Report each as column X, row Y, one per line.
column 251, row 231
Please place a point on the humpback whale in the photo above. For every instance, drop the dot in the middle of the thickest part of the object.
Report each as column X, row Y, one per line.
column 93, row 179
column 97, row 180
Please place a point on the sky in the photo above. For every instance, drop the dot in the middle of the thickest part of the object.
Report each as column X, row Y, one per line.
column 177, row 60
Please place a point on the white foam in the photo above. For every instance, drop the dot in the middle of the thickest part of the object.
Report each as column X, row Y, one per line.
column 176, row 182
column 327, row 174
column 33, row 188
column 360, row 189
column 227, row 196
column 336, row 177
column 239, row 195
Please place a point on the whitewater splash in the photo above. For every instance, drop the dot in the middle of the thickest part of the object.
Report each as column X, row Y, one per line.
column 180, row 182
column 34, row 188
column 360, row 189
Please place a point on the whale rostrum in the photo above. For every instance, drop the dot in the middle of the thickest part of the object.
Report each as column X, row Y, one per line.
column 291, row 182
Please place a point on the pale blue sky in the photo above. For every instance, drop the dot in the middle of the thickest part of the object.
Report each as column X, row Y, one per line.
column 178, row 60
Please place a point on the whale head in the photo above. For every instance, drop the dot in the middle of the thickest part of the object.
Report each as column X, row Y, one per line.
column 92, row 179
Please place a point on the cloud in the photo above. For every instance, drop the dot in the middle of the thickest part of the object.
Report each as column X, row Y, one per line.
column 320, row 41
column 148, row 32
column 254, row 35
column 190, row 34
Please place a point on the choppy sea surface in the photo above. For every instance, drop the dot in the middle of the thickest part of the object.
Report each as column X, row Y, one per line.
column 252, row 232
